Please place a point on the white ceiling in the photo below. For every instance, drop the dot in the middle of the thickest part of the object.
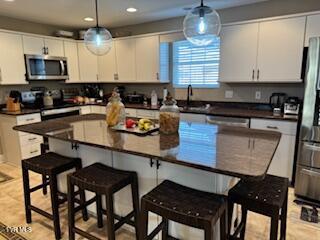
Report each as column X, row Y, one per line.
column 112, row 13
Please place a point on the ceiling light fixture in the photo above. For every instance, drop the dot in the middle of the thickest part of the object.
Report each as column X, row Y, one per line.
column 9, row 0
column 131, row 10
column 201, row 25
column 88, row 19
column 98, row 40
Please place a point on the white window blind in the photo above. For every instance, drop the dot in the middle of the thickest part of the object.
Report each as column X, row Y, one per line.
column 196, row 65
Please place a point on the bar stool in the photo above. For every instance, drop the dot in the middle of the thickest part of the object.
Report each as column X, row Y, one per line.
column 102, row 180
column 49, row 165
column 184, row 205
column 268, row 197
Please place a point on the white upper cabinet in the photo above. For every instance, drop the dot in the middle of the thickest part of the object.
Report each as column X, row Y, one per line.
column 147, row 59
column 239, row 45
column 126, row 57
column 313, row 28
column 71, row 53
column 280, row 52
column 54, row 47
column 12, row 67
column 33, row 45
column 88, row 64
column 38, row 46
column 107, row 66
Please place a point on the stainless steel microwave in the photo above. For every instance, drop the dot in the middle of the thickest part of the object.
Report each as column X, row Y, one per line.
column 44, row 67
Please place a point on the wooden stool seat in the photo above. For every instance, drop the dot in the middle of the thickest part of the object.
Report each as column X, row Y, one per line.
column 184, row 205
column 268, row 197
column 102, row 180
column 49, row 165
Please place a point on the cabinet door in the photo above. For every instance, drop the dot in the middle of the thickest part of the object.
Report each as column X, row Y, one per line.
column 12, row 67
column 282, row 162
column 54, row 47
column 33, row 45
column 71, row 53
column 280, row 50
column 147, row 59
column 88, row 64
column 313, row 29
column 107, row 66
column 125, row 52
column 238, row 52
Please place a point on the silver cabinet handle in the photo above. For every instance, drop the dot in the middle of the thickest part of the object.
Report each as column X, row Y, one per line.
column 32, row 139
column 272, row 127
column 253, row 74
column 30, row 119
column 35, row 151
column 157, row 75
column 258, row 74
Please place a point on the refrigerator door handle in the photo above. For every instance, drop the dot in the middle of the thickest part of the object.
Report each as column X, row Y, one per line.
column 310, row 173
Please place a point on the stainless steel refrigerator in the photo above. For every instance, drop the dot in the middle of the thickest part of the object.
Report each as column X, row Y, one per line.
column 308, row 165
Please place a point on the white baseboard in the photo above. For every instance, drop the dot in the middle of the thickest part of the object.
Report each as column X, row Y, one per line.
column 1, row 159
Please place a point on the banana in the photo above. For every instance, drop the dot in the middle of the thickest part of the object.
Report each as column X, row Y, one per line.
column 145, row 120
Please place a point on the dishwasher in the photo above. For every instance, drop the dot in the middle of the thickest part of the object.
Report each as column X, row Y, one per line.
column 228, row 121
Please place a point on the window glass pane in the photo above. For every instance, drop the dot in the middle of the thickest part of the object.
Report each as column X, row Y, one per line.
column 196, row 65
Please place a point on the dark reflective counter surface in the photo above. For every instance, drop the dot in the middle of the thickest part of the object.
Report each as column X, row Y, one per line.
column 239, row 152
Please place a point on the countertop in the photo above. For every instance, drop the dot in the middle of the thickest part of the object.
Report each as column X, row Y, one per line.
column 239, row 152
column 215, row 110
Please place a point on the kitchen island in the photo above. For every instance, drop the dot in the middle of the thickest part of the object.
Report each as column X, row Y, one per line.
column 201, row 156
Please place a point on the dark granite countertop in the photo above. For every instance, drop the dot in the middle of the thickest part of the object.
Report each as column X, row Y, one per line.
column 239, row 152
column 227, row 110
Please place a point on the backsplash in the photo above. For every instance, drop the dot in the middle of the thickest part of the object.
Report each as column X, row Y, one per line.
column 241, row 92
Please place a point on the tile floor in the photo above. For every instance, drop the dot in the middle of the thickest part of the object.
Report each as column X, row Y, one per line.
column 12, row 214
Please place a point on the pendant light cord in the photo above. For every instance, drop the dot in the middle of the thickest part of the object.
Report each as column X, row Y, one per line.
column 201, row 3
column 97, row 16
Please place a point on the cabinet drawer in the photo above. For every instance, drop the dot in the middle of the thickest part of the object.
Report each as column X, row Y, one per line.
column 28, row 119
column 30, row 151
column 146, row 114
column 30, row 139
column 131, row 112
column 85, row 110
column 98, row 109
column 285, row 127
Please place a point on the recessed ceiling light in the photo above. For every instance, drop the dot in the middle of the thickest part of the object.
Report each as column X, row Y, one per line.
column 131, row 10
column 9, row 0
column 88, row 19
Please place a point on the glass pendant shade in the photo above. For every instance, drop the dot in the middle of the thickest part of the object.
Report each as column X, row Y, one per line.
column 98, row 40
column 202, row 25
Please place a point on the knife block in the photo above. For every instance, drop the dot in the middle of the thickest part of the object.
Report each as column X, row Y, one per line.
column 13, row 106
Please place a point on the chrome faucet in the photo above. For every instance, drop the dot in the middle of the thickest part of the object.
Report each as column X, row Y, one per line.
column 189, row 93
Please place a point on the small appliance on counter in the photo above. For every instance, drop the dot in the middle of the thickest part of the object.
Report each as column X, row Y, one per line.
column 47, row 99
column 134, row 98
column 32, row 99
column 277, row 101
column 93, row 91
column 292, row 106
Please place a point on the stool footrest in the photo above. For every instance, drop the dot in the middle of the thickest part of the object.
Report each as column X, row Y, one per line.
column 87, row 203
column 36, row 188
column 84, row 234
column 41, row 212
column 123, row 220
column 156, row 231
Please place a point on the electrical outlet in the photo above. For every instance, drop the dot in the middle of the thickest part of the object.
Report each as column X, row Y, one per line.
column 228, row 94
column 258, row 95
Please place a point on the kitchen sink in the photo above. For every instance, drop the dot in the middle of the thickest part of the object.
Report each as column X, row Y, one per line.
column 198, row 108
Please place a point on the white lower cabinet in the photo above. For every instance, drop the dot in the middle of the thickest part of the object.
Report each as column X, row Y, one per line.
column 18, row 145
column 98, row 109
column 152, row 114
column 85, row 110
column 283, row 160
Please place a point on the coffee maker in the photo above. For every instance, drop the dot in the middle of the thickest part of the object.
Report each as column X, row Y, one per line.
column 277, row 101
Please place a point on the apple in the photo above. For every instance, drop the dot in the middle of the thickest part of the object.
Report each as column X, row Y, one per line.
column 130, row 123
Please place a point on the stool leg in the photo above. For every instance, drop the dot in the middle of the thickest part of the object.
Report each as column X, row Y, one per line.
column 223, row 230
column 55, row 205
column 110, row 215
column 82, row 196
column 274, row 226
column 230, row 214
column 244, row 213
column 27, row 197
column 71, row 213
column 209, row 232
column 44, row 181
column 99, row 210
column 135, row 204
column 143, row 221
column 283, row 217
column 165, row 230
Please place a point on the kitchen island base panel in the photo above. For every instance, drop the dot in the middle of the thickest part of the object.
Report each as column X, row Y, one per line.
column 148, row 178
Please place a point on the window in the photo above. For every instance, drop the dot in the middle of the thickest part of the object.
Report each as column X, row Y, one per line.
column 196, row 65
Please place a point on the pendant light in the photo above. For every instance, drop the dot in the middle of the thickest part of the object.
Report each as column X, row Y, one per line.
column 98, row 40
column 201, row 25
